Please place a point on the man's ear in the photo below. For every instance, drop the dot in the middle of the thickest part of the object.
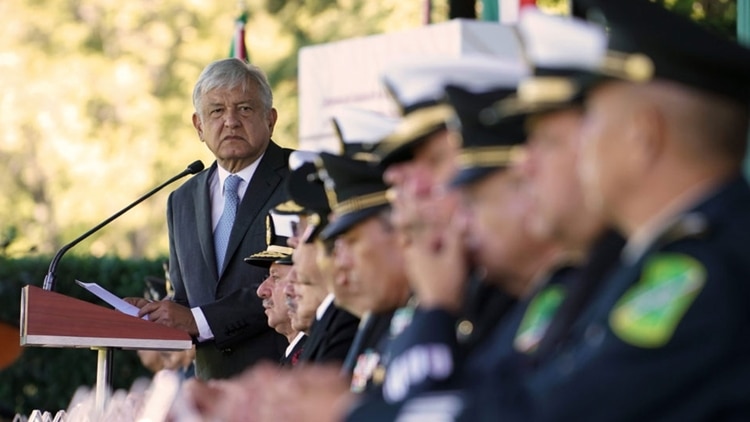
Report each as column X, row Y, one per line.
column 646, row 136
column 198, row 125
column 272, row 116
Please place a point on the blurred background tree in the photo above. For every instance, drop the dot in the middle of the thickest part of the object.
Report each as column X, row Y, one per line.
column 95, row 103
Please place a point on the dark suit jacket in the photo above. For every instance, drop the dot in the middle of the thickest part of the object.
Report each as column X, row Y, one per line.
column 293, row 358
column 234, row 312
column 330, row 337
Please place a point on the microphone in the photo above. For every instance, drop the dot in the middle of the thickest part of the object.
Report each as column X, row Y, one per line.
column 49, row 279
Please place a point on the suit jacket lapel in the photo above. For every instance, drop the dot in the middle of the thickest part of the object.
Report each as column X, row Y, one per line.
column 318, row 333
column 202, row 198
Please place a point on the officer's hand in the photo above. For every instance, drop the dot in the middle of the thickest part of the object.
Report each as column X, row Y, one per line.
column 168, row 313
column 436, row 256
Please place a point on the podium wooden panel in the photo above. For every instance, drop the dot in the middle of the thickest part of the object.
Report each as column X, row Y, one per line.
column 51, row 319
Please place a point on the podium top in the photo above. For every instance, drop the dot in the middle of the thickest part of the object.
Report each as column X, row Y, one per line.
column 50, row 319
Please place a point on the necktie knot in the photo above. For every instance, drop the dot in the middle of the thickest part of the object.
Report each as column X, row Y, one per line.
column 231, row 183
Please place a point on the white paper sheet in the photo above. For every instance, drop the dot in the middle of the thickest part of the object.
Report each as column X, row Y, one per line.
column 110, row 298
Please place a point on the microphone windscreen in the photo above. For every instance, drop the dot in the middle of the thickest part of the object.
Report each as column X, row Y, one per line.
column 195, row 166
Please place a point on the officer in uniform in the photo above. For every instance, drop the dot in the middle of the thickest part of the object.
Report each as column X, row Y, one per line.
column 668, row 333
column 370, row 284
column 420, row 158
column 276, row 258
column 333, row 329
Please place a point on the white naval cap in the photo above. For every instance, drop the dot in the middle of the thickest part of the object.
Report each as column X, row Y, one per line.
column 359, row 131
column 559, row 49
column 283, row 224
column 417, row 82
column 299, row 157
column 418, row 86
column 560, row 42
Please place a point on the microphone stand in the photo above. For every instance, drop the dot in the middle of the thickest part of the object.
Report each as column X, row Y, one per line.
column 50, row 278
column 105, row 355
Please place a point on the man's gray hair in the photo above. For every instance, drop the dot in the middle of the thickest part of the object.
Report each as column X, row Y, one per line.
column 232, row 73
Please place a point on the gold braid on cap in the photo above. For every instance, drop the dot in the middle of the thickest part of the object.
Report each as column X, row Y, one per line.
column 289, row 207
column 634, row 67
column 361, row 202
column 416, row 125
column 286, row 250
column 494, row 156
column 546, row 89
column 366, row 156
column 269, row 255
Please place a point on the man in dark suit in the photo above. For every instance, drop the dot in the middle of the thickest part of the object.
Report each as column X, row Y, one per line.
column 214, row 224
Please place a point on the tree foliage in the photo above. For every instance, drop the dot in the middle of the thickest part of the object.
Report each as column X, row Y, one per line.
column 96, row 103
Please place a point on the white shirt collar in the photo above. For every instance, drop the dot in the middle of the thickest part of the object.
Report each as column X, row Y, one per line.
column 293, row 343
column 323, row 307
column 245, row 174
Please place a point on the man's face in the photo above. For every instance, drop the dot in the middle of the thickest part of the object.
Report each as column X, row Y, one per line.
column 309, row 286
column 235, row 125
column 551, row 168
column 419, row 182
column 604, row 151
column 369, row 257
column 274, row 300
column 290, row 295
column 302, row 313
column 495, row 210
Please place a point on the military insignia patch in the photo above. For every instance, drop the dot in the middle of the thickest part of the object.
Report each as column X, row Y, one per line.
column 649, row 312
column 537, row 318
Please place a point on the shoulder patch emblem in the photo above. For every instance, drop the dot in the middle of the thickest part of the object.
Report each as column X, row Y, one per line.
column 649, row 311
column 538, row 317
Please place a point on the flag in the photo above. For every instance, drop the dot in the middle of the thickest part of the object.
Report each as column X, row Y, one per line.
column 505, row 11
column 509, row 9
column 239, row 49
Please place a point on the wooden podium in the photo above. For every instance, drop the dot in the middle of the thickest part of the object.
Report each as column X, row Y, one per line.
column 50, row 319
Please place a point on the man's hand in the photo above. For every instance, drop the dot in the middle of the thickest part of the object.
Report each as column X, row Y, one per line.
column 436, row 258
column 138, row 302
column 305, row 393
column 168, row 313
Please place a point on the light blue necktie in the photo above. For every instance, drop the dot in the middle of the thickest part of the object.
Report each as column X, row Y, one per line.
column 224, row 228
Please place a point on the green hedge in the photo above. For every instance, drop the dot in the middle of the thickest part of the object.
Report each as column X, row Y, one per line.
column 47, row 378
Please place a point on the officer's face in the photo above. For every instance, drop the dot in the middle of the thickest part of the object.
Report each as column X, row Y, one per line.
column 310, row 288
column 496, row 208
column 609, row 147
column 290, row 295
column 417, row 180
column 307, row 298
column 550, row 166
column 373, row 264
column 274, row 300
column 305, row 262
